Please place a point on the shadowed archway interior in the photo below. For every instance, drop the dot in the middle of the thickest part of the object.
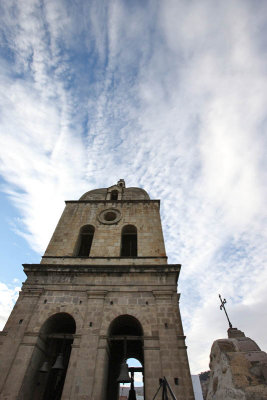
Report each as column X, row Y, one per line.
column 125, row 341
column 45, row 379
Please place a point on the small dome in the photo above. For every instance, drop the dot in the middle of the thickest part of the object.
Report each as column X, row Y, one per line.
column 134, row 193
column 96, row 194
column 131, row 193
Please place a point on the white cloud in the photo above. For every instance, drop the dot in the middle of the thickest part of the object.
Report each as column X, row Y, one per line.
column 169, row 97
column 8, row 296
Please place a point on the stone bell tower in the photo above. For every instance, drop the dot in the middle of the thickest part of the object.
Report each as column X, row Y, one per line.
column 102, row 293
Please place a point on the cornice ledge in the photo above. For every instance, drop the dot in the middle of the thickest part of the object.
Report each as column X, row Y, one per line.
column 163, row 294
column 81, row 268
column 114, row 201
column 96, row 294
column 181, row 337
column 31, row 291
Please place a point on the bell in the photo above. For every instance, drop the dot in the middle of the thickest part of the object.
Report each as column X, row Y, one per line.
column 59, row 362
column 124, row 374
column 44, row 367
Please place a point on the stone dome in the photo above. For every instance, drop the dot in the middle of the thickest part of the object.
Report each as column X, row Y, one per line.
column 96, row 194
column 131, row 193
column 134, row 193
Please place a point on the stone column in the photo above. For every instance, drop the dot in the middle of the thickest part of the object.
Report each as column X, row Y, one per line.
column 69, row 380
column 14, row 387
column 101, row 371
column 81, row 377
column 172, row 345
column 152, row 366
column 17, row 349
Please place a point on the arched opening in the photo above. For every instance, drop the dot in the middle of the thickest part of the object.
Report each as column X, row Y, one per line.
column 129, row 241
column 125, row 341
column 48, row 367
column 136, row 372
column 85, row 240
column 114, row 195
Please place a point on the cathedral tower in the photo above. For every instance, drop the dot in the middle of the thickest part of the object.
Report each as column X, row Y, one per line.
column 102, row 293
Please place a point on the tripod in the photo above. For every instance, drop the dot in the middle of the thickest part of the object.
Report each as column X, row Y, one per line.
column 163, row 383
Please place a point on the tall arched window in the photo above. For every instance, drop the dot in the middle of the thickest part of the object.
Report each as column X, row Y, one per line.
column 85, row 240
column 114, row 195
column 129, row 241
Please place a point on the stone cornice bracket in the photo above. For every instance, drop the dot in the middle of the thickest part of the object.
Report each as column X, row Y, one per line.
column 32, row 292
column 96, row 294
column 163, row 294
column 33, row 334
column 76, row 340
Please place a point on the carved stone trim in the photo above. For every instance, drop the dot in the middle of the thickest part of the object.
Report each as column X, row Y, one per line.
column 96, row 294
column 31, row 334
column 163, row 294
column 32, row 292
column 102, row 216
column 151, row 348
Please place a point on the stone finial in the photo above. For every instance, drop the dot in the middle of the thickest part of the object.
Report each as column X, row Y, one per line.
column 235, row 333
column 121, row 183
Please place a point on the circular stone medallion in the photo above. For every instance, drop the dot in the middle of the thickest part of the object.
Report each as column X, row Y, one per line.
column 109, row 216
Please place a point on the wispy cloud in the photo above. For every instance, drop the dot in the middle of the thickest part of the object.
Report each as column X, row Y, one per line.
column 171, row 97
column 8, row 295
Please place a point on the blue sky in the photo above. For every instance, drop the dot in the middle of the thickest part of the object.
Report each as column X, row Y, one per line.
column 170, row 96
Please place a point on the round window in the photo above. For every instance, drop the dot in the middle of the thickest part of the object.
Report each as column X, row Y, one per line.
column 109, row 216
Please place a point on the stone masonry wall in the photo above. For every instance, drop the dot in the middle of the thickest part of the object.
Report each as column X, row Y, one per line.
column 94, row 301
column 107, row 238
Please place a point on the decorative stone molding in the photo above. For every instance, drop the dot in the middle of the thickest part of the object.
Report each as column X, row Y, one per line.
column 96, row 294
column 163, row 294
column 34, row 334
column 109, row 216
column 32, row 292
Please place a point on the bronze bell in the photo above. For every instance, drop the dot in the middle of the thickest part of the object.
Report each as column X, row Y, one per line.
column 59, row 362
column 45, row 367
column 124, row 374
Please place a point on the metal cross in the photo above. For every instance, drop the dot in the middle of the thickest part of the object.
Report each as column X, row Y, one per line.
column 222, row 307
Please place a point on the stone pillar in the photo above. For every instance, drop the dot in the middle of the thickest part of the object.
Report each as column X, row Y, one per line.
column 80, row 382
column 101, row 371
column 172, row 345
column 18, row 345
column 152, row 366
column 19, row 371
column 69, row 380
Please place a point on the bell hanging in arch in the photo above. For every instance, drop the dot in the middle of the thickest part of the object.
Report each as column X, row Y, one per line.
column 124, row 374
column 45, row 367
column 59, row 362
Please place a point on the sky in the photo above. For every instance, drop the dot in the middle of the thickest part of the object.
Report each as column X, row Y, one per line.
column 170, row 96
